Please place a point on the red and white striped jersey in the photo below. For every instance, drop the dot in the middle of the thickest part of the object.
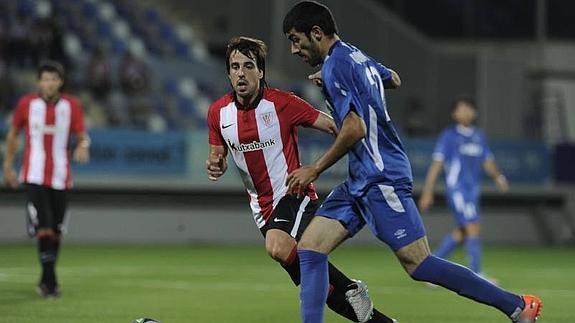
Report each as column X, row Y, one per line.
column 263, row 143
column 48, row 126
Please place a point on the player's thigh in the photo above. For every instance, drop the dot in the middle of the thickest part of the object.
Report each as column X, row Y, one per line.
column 392, row 216
column 323, row 235
column 337, row 219
column 291, row 215
column 39, row 207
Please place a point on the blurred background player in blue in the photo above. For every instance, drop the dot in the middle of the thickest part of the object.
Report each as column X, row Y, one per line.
column 377, row 191
column 462, row 152
column 258, row 126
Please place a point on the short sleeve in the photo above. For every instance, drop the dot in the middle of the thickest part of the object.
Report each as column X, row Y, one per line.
column 487, row 153
column 440, row 152
column 383, row 72
column 301, row 112
column 337, row 78
column 19, row 119
column 214, row 133
column 77, row 125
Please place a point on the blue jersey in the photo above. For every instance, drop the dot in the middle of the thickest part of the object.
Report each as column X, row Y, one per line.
column 463, row 151
column 354, row 81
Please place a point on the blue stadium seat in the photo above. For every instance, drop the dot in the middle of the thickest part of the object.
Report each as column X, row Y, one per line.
column 171, row 86
column 89, row 10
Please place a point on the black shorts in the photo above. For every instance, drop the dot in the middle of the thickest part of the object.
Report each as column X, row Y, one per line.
column 46, row 208
column 292, row 215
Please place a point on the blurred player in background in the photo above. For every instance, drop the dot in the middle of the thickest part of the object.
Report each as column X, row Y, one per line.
column 258, row 126
column 48, row 118
column 377, row 191
column 462, row 151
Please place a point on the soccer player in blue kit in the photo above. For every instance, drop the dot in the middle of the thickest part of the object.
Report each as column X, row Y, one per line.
column 462, row 151
column 377, row 191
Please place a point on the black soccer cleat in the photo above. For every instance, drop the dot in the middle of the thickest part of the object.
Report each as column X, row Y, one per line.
column 43, row 290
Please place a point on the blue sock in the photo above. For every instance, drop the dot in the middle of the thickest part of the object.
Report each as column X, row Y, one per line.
column 473, row 245
column 466, row 283
column 446, row 246
column 314, row 285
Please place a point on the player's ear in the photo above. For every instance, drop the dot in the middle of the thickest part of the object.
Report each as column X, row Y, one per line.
column 316, row 33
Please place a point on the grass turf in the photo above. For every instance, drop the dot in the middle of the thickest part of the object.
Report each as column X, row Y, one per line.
column 241, row 284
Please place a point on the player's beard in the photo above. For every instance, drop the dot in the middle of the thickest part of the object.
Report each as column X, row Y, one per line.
column 314, row 58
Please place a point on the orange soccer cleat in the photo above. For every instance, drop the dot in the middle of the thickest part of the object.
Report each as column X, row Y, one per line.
column 532, row 309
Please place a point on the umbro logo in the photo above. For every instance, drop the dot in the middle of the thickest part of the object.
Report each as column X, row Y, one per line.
column 280, row 220
column 400, row 233
column 227, row 125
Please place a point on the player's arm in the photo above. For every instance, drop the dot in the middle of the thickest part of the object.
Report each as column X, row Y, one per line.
column 426, row 198
column 325, row 123
column 216, row 164
column 82, row 150
column 10, row 177
column 491, row 169
column 394, row 82
column 353, row 129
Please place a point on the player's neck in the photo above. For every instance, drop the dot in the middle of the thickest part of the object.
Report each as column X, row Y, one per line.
column 51, row 99
column 244, row 103
column 327, row 44
column 466, row 130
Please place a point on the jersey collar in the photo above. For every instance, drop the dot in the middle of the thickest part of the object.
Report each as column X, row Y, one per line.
column 466, row 131
column 251, row 106
column 336, row 44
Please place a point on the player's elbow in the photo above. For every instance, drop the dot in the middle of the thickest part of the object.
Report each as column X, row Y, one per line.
column 395, row 80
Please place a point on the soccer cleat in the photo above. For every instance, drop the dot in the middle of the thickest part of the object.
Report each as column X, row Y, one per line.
column 359, row 300
column 43, row 290
column 531, row 311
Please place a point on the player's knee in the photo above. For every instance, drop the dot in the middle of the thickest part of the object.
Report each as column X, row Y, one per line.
column 277, row 252
column 308, row 244
column 46, row 233
column 458, row 235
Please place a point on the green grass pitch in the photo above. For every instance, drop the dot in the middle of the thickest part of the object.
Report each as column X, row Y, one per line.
column 241, row 284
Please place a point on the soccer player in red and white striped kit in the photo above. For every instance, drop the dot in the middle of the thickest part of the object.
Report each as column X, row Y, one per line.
column 48, row 118
column 257, row 125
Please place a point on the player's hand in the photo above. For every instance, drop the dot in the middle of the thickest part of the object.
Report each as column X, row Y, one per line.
column 502, row 183
column 82, row 154
column 300, row 178
column 316, row 78
column 425, row 201
column 216, row 166
column 10, row 177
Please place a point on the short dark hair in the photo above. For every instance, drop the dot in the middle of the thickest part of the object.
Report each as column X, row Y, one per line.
column 52, row 67
column 253, row 48
column 306, row 14
column 463, row 100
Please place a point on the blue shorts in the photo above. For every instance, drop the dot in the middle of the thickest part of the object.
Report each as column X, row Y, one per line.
column 390, row 213
column 464, row 207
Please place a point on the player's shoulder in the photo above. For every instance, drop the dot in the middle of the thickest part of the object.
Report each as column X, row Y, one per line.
column 277, row 95
column 222, row 101
column 480, row 131
column 339, row 62
column 74, row 100
column 26, row 98
column 448, row 132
